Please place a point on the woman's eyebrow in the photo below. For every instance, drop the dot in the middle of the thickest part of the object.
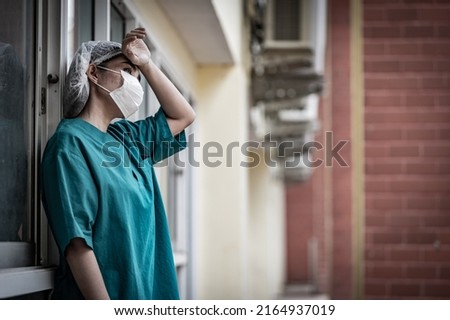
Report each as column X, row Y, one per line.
column 133, row 67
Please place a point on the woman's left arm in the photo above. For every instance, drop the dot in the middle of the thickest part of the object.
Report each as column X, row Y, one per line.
column 178, row 111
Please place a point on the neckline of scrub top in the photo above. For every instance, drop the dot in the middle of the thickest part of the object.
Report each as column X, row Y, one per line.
column 91, row 127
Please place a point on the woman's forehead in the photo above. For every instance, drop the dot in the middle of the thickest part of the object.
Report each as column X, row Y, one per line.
column 120, row 60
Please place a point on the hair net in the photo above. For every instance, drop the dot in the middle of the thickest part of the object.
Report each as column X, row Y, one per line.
column 76, row 87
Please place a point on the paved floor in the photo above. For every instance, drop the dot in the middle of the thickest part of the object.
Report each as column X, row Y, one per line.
column 302, row 292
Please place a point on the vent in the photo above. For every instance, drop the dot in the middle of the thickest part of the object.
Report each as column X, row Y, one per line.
column 286, row 24
column 289, row 23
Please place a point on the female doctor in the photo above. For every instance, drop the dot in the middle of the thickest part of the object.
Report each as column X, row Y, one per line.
column 99, row 187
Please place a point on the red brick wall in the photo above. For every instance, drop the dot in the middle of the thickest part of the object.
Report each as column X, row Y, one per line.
column 328, row 195
column 407, row 148
column 299, row 224
column 338, row 76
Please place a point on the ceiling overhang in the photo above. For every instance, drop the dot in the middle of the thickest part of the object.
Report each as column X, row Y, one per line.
column 198, row 25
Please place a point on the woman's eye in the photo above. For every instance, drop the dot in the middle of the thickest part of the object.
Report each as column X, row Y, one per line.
column 128, row 70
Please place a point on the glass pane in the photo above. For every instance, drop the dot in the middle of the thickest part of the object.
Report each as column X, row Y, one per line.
column 16, row 94
column 80, row 25
column 85, row 20
column 117, row 25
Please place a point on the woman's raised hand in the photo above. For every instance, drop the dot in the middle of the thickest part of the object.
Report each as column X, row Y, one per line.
column 134, row 47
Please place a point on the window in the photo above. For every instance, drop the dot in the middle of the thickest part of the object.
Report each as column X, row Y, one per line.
column 117, row 25
column 19, row 275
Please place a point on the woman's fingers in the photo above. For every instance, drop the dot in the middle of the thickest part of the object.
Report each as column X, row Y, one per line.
column 134, row 48
column 138, row 32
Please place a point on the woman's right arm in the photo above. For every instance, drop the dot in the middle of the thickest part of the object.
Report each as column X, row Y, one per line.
column 85, row 270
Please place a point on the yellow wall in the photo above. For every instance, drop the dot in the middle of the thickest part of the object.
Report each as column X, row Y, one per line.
column 266, row 232
column 223, row 191
column 170, row 44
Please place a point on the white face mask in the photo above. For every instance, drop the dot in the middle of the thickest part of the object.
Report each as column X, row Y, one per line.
column 129, row 96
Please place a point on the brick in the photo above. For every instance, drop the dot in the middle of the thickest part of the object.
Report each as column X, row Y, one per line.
column 384, row 272
column 420, row 100
column 388, row 134
column 436, row 151
column 375, row 254
column 434, row 83
column 373, row 14
column 437, row 290
column 438, row 48
column 383, row 100
column 387, row 238
column 405, row 255
column 420, row 238
column 374, row 48
column 445, row 273
column 383, row 168
column 421, row 168
column 387, row 203
column 413, row 1
column 392, row 83
column 434, row 14
column 405, row 117
column 443, row 168
column 405, row 220
column 420, row 134
column 405, row 48
column 444, row 202
column 375, row 151
column 376, row 186
column 375, row 289
column 418, row 32
column 419, row 186
column 437, row 256
column 416, row 202
column 405, row 290
column 401, row 14
column 421, row 272
column 443, row 31
column 375, row 220
column 404, row 151
column 443, row 100
column 417, row 66
column 444, row 134
column 381, row 66
column 382, row 31
column 437, row 221
column 369, row 2
column 442, row 66
column 444, row 238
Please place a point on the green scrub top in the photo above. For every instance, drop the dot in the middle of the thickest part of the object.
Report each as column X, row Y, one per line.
column 101, row 187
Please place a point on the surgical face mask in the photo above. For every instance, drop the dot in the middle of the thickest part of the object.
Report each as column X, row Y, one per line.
column 129, row 96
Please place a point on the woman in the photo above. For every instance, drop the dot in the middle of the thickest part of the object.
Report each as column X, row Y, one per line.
column 99, row 187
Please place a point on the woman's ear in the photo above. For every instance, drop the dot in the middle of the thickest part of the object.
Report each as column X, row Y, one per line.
column 91, row 73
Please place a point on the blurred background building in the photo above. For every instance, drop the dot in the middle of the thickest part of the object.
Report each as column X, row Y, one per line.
column 344, row 103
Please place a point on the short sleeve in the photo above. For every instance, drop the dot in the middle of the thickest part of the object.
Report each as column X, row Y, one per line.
column 70, row 197
column 151, row 136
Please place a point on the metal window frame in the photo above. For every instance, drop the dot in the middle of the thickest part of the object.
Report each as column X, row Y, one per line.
column 21, row 281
